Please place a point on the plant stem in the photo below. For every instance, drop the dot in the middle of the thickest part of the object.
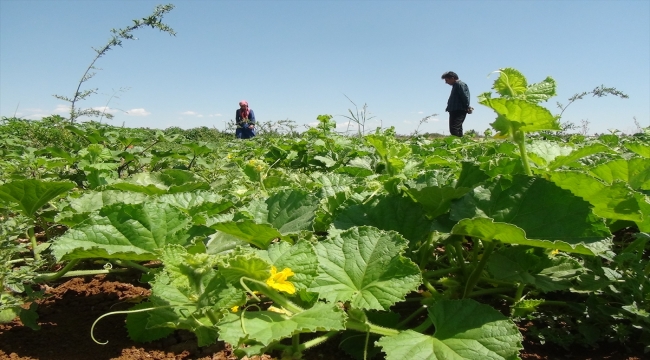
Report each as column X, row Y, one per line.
column 32, row 240
column 132, row 264
column 476, row 274
column 474, row 250
column 520, row 139
column 453, row 259
column 17, row 261
column 459, row 254
column 441, row 272
column 45, row 277
column 489, row 291
column 434, row 293
column 365, row 326
column 213, row 318
column 426, row 250
column 498, row 282
column 519, row 292
column 554, row 303
column 413, row 315
column 424, row 326
column 275, row 296
column 58, row 274
column 295, row 343
column 316, row 341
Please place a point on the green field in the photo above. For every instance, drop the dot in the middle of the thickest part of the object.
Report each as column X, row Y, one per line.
column 417, row 247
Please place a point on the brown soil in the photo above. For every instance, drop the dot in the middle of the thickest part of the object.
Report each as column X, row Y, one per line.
column 67, row 314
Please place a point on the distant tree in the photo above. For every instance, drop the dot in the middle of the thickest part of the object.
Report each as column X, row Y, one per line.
column 154, row 20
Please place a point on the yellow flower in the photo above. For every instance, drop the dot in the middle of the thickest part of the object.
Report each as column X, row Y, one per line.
column 555, row 252
column 278, row 280
column 234, row 308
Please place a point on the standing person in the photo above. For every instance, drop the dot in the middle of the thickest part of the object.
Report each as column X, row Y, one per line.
column 458, row 103
column 245, row 120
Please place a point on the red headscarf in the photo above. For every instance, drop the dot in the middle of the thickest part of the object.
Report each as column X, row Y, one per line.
column 244, row 112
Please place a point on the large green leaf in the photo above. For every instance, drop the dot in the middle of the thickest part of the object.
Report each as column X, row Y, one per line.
column 487, row 229
column 136, row 325
column 95, row 200
column 614, row 201
column 524, row 265
column 79, row 208
column 542, row 210
column 268, row 326
column 465, row 329
column 546, row 151
column 168, row 181
column 635, row 172
column 437, row 200
column 510, row 82
column 571, row 160
column 245, row 265
column 541, row 91
column 518, row 115
column 31, row 194
column 259, row 235
column 300, row 258
column 194, row 275
column 333, row 183
column 185, row 288
column 198, row 149
column 642, row 149
column 196, row 202
column 176, row 309
column 471, row 175
column 126, row 232
column 389, row 212
column 365, row 266
column 291, row 211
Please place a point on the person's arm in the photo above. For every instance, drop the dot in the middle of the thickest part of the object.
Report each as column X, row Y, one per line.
column 237, row 117
column 251, row 117
column 464, row 95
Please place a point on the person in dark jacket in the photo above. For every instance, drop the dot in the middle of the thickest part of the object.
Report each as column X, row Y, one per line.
column 245, row 120
column 458, row 103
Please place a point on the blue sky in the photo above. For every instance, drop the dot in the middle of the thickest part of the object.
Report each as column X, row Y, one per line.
column 298, row 59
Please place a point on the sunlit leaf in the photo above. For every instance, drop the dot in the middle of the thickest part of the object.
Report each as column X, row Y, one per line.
column 465, row 329
column 31, row 194
column 364, row 266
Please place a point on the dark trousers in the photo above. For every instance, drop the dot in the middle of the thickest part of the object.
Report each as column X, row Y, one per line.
column 244, row 133
column 456, row 119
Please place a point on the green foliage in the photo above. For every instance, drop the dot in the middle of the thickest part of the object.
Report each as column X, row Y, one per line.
column 279, row 244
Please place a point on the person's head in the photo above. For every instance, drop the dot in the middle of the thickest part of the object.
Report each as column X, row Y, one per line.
column 450, row 77
column 243, row 104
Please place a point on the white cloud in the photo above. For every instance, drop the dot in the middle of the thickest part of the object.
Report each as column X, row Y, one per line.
column 60, row 109
column 214, row 115
column 188, row 113
column 347, row 125
column 37, row 116
column 138, row 112
column 199, row 115
column 105, row 109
